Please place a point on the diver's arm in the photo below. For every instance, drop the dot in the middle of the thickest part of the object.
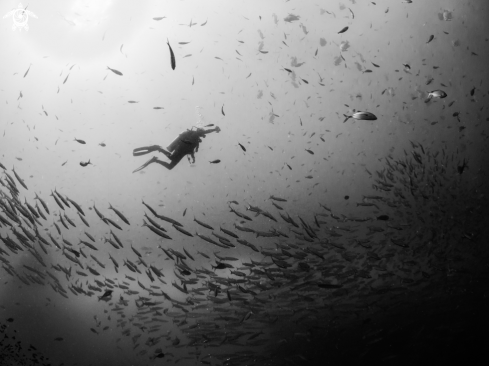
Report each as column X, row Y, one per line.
column 217, row 129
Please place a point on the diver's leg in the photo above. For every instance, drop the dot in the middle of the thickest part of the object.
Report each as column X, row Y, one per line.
column 174, row 162
column 145, row 150
column 154, row 159
column 167, row 153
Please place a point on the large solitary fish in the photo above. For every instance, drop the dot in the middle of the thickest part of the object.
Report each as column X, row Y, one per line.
column 364, row 116
column 435, row 94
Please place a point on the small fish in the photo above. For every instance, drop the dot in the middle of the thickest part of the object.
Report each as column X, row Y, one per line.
column 407, row 66
column 158, row 18
column 291, row 17
column 183, row 42
column 210, row 125
column 64, row 163
column 184, row 212
column 158, row 108
column 304, row 80
column 328, row 286
column 66, row 78
column 343, row 30
column 203, row 23
column 374, row 64
column 21, row 181
column 117, row 72
column 161, row 354
column 80, row 141
column 85, row 164
column 107, row 295
column 352, row 15
column 118, row 213
column 366, row 71
column 472, row 92
column 222, row 110
column 219, row 266
column 430, row 39
column 310, row 151
column 172, row 55
column 288, row 70
column 132, row 101
column 27, row 71
column 462, row 167
column 242, row 147
column 217, row 161
column 102, row 144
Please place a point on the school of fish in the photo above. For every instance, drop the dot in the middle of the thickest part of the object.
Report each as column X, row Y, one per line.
column 413, row 231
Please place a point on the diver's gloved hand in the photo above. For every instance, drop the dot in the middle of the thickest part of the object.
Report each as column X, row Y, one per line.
column 218, row 129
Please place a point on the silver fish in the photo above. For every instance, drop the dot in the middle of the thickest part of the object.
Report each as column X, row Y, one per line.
column 364, row 116
column 437, row 94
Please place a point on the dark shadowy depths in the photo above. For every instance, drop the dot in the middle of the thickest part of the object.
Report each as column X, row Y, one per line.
column 450, row 328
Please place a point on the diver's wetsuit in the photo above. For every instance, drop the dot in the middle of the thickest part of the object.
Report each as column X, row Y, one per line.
column 185, row 144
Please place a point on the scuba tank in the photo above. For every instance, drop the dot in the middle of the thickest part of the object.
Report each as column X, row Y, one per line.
column 200, row 123
column 174, row 144
column 183, row 136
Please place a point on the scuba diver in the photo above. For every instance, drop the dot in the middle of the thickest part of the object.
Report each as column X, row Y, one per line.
column 187, row 143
